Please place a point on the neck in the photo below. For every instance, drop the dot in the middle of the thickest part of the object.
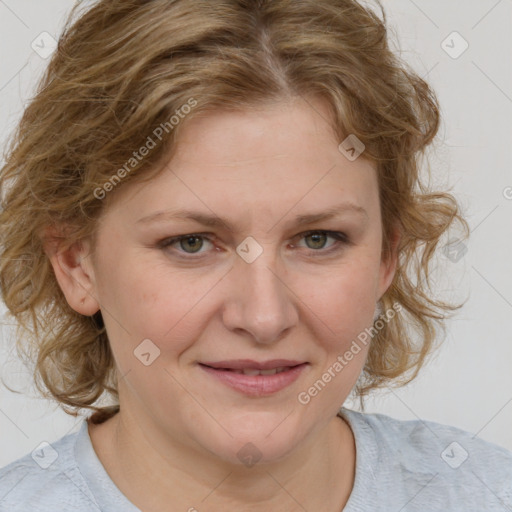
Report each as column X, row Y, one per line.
column 157, row 475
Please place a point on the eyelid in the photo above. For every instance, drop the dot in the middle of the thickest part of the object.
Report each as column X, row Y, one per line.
column 339, row 236
column 341, row 241
column 167, row 242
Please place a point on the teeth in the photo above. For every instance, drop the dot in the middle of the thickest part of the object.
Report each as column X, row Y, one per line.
column 250, row 371
column 254, row 371
column 273, row 371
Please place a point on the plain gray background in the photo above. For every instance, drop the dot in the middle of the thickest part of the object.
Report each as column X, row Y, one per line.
column 469, row 383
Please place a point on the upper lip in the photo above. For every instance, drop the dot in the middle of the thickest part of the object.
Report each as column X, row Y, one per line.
column 241, row 364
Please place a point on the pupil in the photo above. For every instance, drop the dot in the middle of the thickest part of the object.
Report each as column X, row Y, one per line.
column 194, row 243
column 318, row 240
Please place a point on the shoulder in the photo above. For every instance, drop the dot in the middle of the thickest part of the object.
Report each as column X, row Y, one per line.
column 444, row 462
column 47, row 479
column 420, row 432
column 423, row 437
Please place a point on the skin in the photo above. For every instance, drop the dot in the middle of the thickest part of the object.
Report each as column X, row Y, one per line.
column 174, row 443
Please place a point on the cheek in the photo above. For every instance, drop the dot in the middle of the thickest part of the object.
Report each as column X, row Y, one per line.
column 343, row 310
column 149, row 301
column 342, row 299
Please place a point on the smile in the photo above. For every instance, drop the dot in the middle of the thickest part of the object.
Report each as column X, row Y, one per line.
column 254, row 371
column 255, row 379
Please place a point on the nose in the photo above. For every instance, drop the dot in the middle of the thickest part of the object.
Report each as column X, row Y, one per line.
column 259, row 301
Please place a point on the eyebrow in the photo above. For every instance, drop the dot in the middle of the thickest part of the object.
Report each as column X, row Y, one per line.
column 214, row 221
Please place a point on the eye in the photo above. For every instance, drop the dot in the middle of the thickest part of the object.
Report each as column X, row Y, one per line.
column 316, row 240
column 189, row 244
column 192, row 244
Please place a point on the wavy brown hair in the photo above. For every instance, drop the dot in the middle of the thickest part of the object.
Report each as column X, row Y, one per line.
column 124, row 67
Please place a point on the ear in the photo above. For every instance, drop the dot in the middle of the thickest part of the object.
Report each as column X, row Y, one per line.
column 74, row 271
column 389, row 263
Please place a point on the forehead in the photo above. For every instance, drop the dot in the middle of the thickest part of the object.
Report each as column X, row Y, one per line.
column 277, row 130
column 264, row 161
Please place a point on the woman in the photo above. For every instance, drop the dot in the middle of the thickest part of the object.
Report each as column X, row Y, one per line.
column 225, row 231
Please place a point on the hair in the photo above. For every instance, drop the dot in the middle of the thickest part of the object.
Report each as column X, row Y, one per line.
column 122, row 70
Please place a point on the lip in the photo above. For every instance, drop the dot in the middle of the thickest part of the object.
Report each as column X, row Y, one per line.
column 255, row 385
column 240, row 364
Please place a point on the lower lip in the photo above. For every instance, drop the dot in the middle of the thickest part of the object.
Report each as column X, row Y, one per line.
column 256, row 385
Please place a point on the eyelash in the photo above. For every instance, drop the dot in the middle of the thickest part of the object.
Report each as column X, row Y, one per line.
column 340, row 237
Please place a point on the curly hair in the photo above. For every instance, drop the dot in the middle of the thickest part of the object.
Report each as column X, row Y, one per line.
column 125, row 67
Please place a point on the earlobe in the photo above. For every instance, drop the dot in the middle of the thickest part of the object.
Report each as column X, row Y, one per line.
column 75, row 274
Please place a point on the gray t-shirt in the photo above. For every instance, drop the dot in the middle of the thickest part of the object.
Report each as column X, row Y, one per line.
column 406, row 466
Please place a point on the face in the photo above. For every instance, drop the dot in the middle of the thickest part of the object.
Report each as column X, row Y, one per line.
column 257, row 283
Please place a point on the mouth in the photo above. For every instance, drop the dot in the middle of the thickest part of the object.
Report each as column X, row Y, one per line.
column 255, row 378
column 255, row 371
